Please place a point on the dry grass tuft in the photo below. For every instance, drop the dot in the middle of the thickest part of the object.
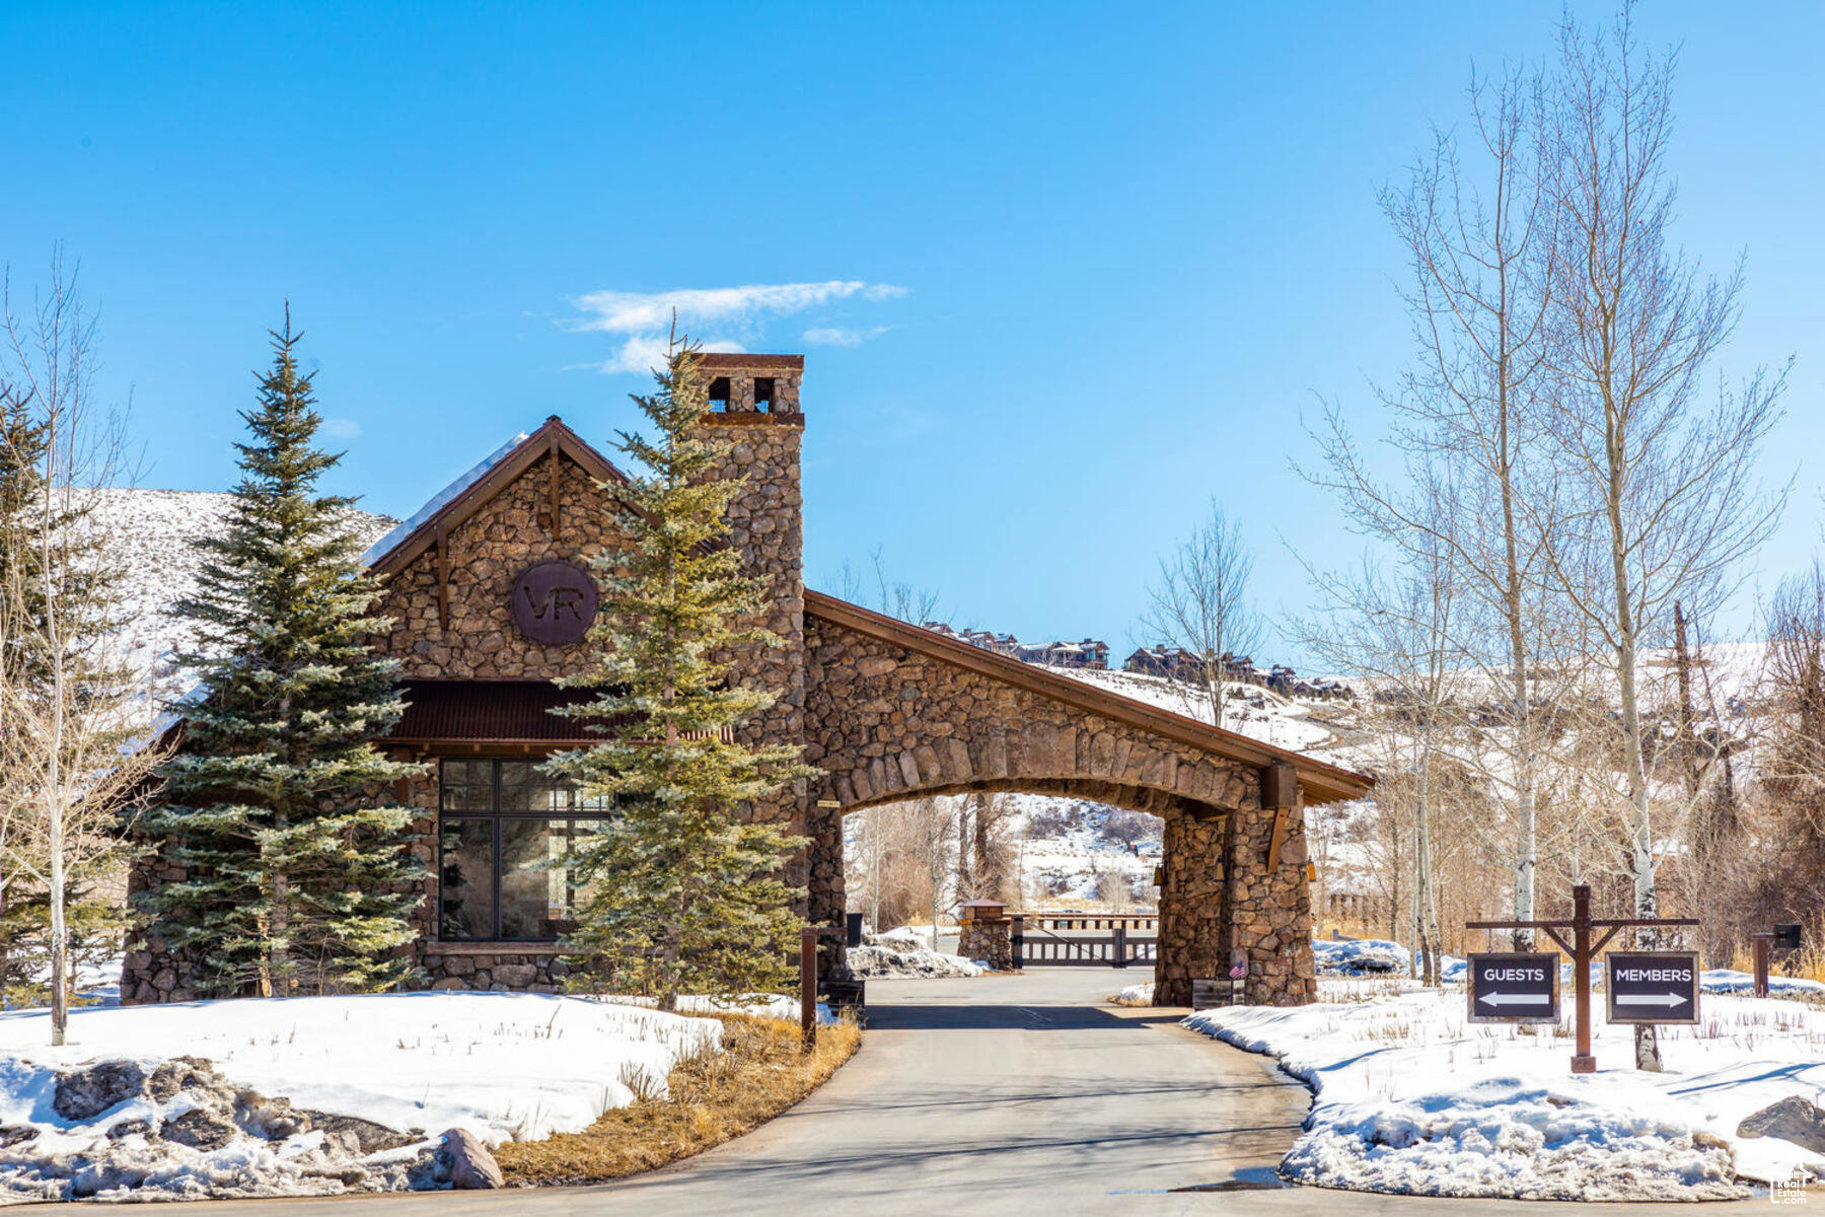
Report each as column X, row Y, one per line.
column 714, row 1097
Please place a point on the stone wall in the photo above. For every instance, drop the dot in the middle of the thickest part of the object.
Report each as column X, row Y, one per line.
column 1272, row 908
column 887, row 723
column 989, row 940
column 486, row 554
column 766, row 524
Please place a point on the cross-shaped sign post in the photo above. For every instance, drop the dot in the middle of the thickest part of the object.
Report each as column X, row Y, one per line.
column 1582, row 949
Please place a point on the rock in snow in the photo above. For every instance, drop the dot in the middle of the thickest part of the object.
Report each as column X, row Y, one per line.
column 86, row 1093
column 465, row 1163
column 1791, row 1119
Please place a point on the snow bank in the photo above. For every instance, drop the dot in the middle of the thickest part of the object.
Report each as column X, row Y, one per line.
column 1361, row 957
column 904, row 952
column 1728, row 980
column 1134, row 995
column 310, row 1096
column 1410, row 1098
column 502, row 1065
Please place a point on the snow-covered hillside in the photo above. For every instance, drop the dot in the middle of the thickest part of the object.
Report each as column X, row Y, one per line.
column 1072, row 851
column 155, row 531
column 1249, row 710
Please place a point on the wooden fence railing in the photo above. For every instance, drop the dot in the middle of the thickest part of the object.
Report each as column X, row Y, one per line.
column 1046, row 948
column 1131, row 922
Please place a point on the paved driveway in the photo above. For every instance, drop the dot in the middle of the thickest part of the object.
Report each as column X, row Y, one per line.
column 1003, row 1096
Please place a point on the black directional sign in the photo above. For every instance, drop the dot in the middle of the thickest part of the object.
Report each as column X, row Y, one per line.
column 1653, row 986
column 1514, row 988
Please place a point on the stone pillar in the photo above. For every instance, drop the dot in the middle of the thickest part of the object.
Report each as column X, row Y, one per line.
column 762, row 432
column 1193, row 934
column 986, row 932
column 1272, row 908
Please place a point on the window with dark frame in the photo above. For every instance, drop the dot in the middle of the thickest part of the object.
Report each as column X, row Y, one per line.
column 505, row 833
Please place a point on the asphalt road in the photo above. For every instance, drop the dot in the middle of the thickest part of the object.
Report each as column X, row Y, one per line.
column 999, row 1095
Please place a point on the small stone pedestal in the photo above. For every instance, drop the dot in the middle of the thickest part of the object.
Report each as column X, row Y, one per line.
column 986, row 932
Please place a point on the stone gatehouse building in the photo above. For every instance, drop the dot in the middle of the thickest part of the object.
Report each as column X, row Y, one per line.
column 489, row 588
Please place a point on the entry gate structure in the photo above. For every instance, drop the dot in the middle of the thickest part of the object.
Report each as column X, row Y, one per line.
column 1056, row 940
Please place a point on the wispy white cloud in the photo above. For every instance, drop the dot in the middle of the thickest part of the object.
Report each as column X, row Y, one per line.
column 836, row 336
column 341, row 428
column 644, row 353
column 722, row 318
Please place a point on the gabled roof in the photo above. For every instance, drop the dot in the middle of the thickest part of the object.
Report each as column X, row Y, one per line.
column 1322, row 782
column 472, row 491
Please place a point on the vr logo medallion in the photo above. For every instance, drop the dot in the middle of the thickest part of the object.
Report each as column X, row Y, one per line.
column 554, row 603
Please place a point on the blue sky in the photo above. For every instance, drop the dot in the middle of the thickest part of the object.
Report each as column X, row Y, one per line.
column 1074, row 269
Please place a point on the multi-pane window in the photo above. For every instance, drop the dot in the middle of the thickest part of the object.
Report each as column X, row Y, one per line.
column 505, row 836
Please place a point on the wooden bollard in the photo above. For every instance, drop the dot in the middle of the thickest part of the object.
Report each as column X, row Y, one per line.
column 807, row 986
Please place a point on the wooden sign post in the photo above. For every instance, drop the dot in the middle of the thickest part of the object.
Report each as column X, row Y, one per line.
column 1582, row 948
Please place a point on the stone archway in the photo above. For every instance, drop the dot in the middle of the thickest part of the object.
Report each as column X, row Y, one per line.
column 893, row 712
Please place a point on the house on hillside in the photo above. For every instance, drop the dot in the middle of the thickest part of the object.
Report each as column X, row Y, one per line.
column 1090, row 653
column 1000, row 644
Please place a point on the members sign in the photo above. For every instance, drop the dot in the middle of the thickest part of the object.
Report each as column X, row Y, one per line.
column 1653, row 986
column 1514, row 988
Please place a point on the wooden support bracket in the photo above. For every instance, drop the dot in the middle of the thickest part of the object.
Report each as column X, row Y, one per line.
column 443, row 580
column 1277, row 841
column 557, row 460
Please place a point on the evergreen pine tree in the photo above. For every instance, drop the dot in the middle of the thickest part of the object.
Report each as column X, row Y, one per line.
column 680, row 894
column 299, row 870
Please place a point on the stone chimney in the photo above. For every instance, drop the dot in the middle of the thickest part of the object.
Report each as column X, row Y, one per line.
column 754, row 401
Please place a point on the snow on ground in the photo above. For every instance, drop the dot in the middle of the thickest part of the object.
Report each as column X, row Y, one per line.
column 501, row 1065
column 1361, row 957
column 1728, row 980
column 1134, row 995
column 906, row 952
column 1411, row 1098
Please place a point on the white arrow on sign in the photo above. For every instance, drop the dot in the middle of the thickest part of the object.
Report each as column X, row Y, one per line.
column 1651, row 999
column 1515, row 999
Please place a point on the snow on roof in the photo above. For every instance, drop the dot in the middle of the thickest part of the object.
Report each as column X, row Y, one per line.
column 438, row 501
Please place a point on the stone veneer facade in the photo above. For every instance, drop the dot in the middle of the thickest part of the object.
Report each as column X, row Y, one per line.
column 885, row 713
column 888, row 722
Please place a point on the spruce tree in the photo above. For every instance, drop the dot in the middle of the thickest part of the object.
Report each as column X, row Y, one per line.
column 300, row 877
column 680, row 893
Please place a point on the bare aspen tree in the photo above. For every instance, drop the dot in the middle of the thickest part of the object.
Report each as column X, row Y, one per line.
column 1199, row 602
column 1668, row 502
column 69, row 704
column 1789, row 882
column 1476, row 233
column 1401, row 631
